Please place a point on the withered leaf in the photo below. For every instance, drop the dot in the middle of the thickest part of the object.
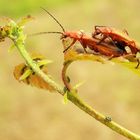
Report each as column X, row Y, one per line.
column 33, row 79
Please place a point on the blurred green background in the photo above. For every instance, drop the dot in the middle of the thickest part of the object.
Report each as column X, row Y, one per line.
column 28, row 113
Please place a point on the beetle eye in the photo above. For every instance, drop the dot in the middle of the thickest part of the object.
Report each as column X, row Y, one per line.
column 63, row 36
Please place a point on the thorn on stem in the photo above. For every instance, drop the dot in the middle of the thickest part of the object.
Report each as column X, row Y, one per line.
column 68, row 79
column 108, row 119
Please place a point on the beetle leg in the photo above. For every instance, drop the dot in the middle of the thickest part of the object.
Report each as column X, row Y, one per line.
column 104, row 37
column 112, row 56
column 132, row 58
column 85, row 49
column 112, row 42
column 96, row 26
column 82, row 42
column 95, row 32
column 132, row 46
column 73, row 42
column 84, row 46
column 125, row 31
column 138, row 60
column 94, row 35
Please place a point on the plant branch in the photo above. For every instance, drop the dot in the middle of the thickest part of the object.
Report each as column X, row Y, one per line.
column 16, row 34
column 75, row 99
column 64, row 77
column 36, row 69
column 92, row 112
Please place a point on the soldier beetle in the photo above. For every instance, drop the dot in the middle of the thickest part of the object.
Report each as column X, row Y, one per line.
column 98, row 45
column 119, row 38
column 86, row 41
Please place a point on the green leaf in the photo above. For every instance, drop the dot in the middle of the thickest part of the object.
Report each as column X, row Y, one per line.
column 21, row 38
column 24, row 20
column 72, row 55
column 129, row 65
column 12, row 23
column 44, row 62
column 65, row 89
column 78, row 85
column 11, row 48
column 65, row 98
column 68, row 79
column 26, row 74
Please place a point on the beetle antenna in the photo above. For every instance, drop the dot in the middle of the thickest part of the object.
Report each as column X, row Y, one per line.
column 45, row 33
column 54, row 19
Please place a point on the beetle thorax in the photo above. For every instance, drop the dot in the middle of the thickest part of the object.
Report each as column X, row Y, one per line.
column 75, row 34
column 105, row 30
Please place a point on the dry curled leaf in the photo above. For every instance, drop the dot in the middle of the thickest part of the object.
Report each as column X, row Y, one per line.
column 25, row 20
column 128, row 61
column 31, row 78
column 131, row 65
column 74, row 55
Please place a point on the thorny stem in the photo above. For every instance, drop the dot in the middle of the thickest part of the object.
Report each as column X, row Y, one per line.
column 92, row 112
column 64, row 77
column 75, row 99
column 36, row 69
column 72, row 96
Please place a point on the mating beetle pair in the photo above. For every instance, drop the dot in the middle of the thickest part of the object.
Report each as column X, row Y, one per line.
column 104, row 40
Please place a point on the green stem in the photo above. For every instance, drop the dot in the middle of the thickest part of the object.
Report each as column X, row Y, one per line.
column 89, row 110
column 75, row 99
column 64, row 77
column 36, row 68
column 103, row 119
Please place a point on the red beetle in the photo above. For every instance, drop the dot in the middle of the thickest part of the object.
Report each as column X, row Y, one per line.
column 119, row 38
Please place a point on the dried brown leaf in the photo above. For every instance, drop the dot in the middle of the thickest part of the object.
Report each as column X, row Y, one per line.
column 33, row 79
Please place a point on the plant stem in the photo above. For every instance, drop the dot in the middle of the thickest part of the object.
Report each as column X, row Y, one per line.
column 101, row 118
column 64, row 77
column 89, row 110
column 36, row 68
column 74, row 97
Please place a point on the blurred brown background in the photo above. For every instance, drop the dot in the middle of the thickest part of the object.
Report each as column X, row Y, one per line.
column 28, row 113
